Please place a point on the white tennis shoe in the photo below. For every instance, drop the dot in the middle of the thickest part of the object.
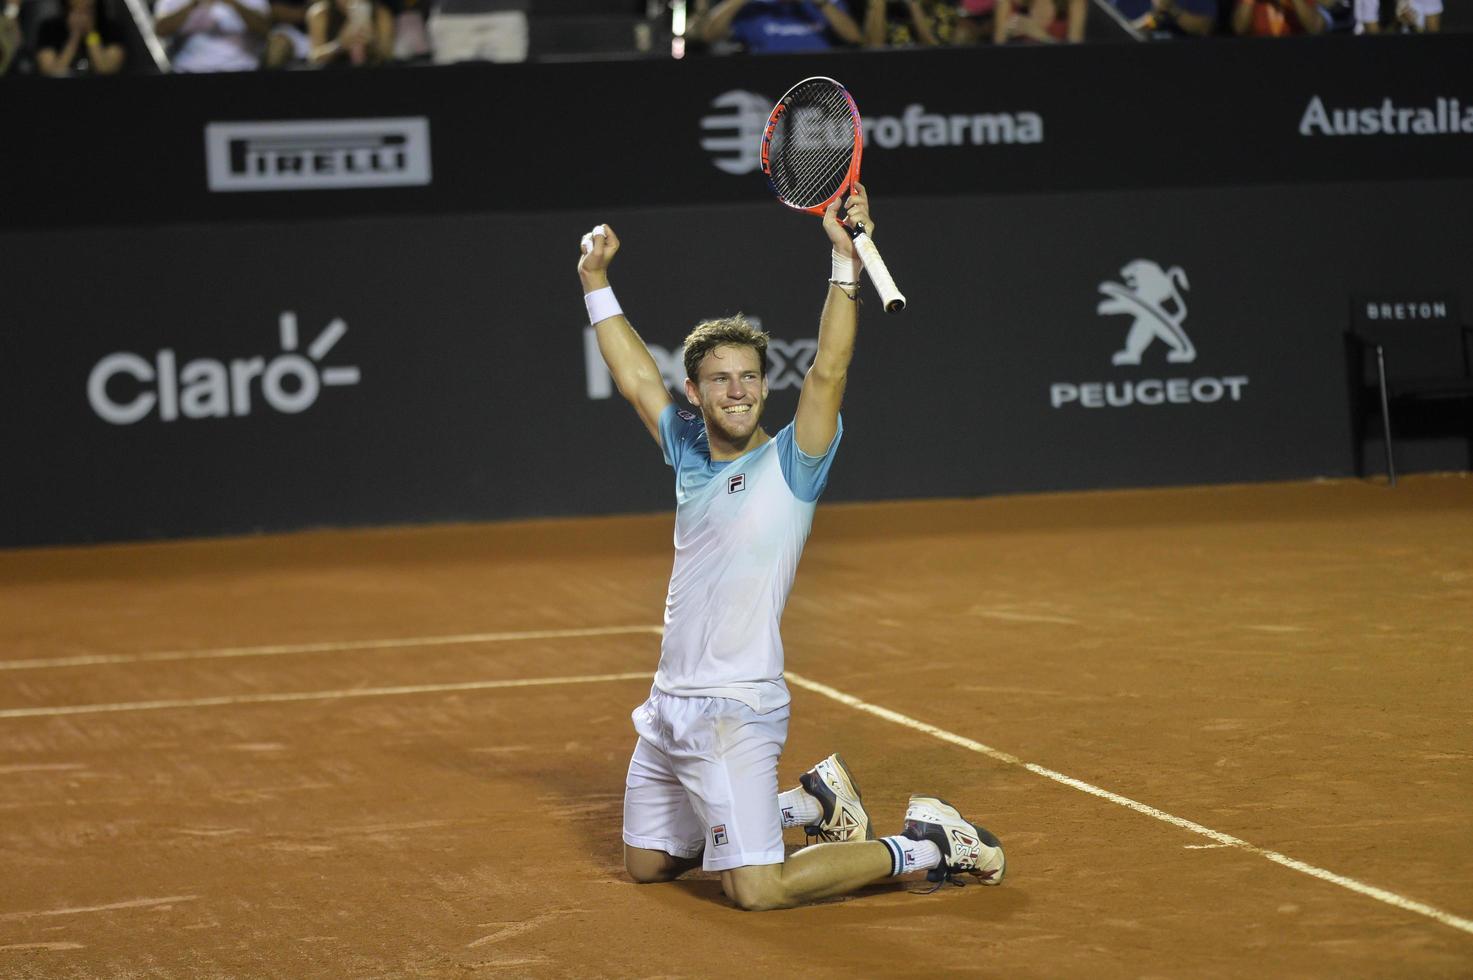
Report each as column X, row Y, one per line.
column 965, row 847
column 844, row 817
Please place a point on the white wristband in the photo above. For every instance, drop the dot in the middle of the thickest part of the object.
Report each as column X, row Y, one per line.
column 601, row 304
column 844, row 268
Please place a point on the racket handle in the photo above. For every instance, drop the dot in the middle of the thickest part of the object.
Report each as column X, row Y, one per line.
column 890, row 295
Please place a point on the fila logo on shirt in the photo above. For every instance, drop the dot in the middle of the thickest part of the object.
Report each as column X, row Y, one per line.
column 737, row 483
column 718, row 834
column 1153, row 298
column 124, row 388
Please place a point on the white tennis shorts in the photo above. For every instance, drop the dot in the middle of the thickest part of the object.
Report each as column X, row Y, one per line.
column 704, row 778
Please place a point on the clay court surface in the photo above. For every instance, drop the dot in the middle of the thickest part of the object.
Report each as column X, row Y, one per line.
column 401, row 752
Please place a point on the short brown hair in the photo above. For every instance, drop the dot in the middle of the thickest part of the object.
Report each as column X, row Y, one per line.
column 732, row 331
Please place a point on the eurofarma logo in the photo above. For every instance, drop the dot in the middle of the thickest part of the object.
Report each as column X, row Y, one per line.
column 1154, row 300
column 124, row 387
column 732, row 133
column 787, row 363
column 320, row 153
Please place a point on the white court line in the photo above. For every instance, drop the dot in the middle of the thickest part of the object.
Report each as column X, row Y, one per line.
column 355, row 692
column 137, row 903
column 1371, row 891
column 290, row 648
column 1226, row 840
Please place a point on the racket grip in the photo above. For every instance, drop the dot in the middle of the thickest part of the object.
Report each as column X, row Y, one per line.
column 890, row 294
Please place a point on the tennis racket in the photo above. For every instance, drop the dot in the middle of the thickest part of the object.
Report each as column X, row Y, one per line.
column 810, row 154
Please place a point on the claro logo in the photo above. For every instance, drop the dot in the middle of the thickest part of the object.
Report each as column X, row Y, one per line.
column 125, row 388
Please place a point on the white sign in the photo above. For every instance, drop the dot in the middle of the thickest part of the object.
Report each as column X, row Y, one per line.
column 733, row 132
column 319, row 153
column 1153, row 298
column 1443, row 116
column 124, row 387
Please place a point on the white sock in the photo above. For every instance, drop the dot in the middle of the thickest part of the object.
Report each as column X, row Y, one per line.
column 798, row 808
column 908, row 855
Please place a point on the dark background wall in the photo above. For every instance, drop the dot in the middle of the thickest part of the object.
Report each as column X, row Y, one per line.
column 459, row 309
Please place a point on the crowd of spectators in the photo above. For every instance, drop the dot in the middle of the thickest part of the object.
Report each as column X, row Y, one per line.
column 75, row 37
column 80, row 37
column 1279, row 18
column 807, row 25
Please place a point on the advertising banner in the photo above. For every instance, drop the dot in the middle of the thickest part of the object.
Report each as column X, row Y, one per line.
column 653, row 134
column 209, row 379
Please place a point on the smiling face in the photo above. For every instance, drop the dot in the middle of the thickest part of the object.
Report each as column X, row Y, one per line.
column 730, row 390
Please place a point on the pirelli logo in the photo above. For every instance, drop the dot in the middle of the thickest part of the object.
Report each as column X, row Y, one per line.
column 317, row 153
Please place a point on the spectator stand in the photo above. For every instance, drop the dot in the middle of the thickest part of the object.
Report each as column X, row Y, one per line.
column 27, row 16
column 20, row 33
column 146, row 52
column 548, row 30
column 1105, row 22
column 577, row 30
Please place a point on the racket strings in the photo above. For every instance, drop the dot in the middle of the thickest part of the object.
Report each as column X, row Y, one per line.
column 817, row 170
column 807, row 175
column 812, row 145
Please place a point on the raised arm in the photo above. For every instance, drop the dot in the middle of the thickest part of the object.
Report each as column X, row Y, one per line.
column 170, row 15
column 634, row 371
column 1310, row 16
column 1242, row 17
column 716, row 25
column 840, row 22
column 257, row 18
column 823, row 387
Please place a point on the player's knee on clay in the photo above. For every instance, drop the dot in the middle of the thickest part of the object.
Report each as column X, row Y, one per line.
column 757, row 888
column 647, row 867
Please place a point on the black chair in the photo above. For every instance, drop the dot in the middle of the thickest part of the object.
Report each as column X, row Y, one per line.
column 1412, row 360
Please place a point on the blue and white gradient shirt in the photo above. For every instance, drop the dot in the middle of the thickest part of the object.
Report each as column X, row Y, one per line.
column 740, row 527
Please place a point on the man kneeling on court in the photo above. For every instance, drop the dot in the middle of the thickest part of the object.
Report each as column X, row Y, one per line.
column 702, row 785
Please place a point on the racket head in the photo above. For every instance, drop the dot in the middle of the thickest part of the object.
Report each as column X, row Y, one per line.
column 812, row 144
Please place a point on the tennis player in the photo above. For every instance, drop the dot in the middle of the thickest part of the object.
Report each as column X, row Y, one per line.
column 702, row 785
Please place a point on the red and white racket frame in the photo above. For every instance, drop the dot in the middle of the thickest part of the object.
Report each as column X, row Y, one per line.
column 879, row 273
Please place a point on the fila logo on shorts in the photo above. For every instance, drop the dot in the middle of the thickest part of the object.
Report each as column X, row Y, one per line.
column 737, row 483
column 718, row 834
